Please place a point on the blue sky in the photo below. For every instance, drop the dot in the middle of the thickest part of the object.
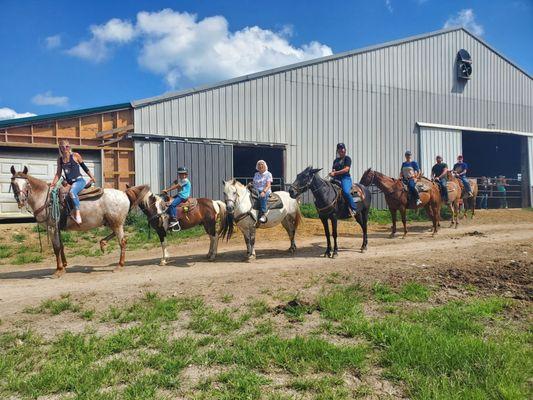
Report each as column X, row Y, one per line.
column 60, row 55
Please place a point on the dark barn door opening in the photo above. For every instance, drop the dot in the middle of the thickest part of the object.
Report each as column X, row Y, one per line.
column 499, row 158
column 246, row 157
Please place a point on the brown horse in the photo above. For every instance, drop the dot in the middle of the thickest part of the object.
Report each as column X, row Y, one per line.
column 454, row 197
column 398, row 200
column 110, row 209
column 469, row 203
column 202, row 211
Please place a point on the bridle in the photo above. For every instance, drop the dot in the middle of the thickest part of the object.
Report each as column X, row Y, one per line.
column 27, row 192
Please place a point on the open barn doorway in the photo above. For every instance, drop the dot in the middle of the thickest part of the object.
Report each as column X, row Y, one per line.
column 499, row 158
column 246, row 157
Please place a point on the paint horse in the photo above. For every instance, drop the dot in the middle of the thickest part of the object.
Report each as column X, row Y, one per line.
column 109, row 209
column 201, row 211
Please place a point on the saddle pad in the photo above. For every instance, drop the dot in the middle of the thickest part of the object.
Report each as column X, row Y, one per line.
column 274, row 202
column 357, row 191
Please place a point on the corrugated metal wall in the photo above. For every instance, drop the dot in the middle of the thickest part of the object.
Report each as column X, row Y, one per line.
column 530, row 157
column 434, row 141
column 148, row 161
column 371, row 101
column 208, row 165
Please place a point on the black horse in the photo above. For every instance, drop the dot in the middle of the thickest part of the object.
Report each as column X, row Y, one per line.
column 331, row 204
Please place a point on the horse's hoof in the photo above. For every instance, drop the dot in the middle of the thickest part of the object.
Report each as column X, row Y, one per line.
column 58, row 274
column 118, row 268
column 334, row 255
column 363, row 249
column 391, row 236
column 211, row 259
column 163, row 263
column 326, row 254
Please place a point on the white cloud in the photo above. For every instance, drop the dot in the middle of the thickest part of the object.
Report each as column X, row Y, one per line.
column 8, row 113
column 388, row 4
column 47, row 99
column 52, row 42
column 178, row 46
column 466, row 19
column 98, row 47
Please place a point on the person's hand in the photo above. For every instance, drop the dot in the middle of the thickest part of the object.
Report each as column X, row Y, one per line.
column 92, row 180
column 263, row 194
column 332, row 174
column 165, row 191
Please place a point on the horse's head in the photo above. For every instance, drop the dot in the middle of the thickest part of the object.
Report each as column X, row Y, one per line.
column 233, row 190
column 154, row 208
column 368, row 177
column 302, row 181
column 20, row 185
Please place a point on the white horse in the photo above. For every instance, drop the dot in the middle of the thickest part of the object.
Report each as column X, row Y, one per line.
column 239, row 210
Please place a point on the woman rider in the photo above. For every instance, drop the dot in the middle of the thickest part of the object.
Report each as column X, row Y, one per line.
column 262, row 183
column 70, row 162
column 341, row 171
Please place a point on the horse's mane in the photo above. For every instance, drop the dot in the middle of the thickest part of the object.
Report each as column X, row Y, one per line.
column 137, row 194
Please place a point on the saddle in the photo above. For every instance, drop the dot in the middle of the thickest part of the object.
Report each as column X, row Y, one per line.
column 357, row 191
column 186, row 207
column 274, row 202
column 89, row 193
column 422, row 185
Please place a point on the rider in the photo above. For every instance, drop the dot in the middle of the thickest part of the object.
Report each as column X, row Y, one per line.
column 341, row 171
column 460, row 168
column 409, row 172
column 70, row 162
column 438, row 173
column 262, row 183
column 183, row 185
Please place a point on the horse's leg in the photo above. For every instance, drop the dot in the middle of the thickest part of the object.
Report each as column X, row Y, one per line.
column 431, row 212
column 393, row 214
column 288, row 224
column 63, row 257
column 403, row 213
column 325, row 222
column 163, row 240
column 210, row 229
column 119, row 232
column 252, row 243
column 56, row 244
column 334, row 221
column 103, row 242
column 362, row 220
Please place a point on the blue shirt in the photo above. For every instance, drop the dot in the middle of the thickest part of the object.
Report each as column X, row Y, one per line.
column 408, row 168
column 185, row 191
column 460, row 167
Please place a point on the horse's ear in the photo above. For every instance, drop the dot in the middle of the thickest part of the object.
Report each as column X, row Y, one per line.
column 13, row 171
column 315, row 170
column 128, row 185
column 25, row 170
column 223, row 182
column 234, row 181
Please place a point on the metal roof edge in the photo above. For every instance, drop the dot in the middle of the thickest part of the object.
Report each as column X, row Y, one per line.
column 473, row 129
column 62, row 115
column 185, row 92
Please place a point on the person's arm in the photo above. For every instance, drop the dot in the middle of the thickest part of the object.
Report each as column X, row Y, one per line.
column 340, row 172
column 444, row 172
column 171, row 188
column 58, row 173
column 79, row 160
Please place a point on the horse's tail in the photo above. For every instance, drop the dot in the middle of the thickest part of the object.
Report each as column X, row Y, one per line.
column 136, row 194
column 298, row 218
column 227, row 224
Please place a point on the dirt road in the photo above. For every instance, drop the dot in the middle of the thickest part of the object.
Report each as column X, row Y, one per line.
column 494, row 251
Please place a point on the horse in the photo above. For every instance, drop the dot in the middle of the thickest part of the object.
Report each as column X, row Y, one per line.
column 469, row 203
column 332, row 205
column 240, row 211
column 205, row 212
column 454, row 197
column 397, row 198
column 110, row 209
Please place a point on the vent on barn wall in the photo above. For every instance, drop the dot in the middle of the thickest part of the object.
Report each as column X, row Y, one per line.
column 464, row 64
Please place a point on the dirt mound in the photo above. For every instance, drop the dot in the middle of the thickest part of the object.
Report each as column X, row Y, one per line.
column 511, row 279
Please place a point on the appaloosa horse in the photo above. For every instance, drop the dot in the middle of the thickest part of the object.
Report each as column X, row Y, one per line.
column 332, row 205
column 240, row 210
column 201, row 211
column 397, row 198
column 110, row 209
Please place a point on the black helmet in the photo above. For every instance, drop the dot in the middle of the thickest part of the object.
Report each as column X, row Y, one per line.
column 341, row 146
column 182, row 170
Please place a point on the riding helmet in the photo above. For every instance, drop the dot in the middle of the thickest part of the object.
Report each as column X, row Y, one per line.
column 341, row 146
column 182, row 170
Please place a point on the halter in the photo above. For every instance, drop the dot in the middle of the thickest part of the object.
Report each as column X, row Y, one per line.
column 17, row 192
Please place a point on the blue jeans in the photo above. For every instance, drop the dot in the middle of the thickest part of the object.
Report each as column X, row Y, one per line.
column 173, row 207
column 77, row 186
column 466, row 184
column 443, row 183
column 263, row 202
column 411, row 184
column 484, row 201
column 346, row 185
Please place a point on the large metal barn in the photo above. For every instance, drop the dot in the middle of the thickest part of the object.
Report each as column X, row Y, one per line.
column 436, row 93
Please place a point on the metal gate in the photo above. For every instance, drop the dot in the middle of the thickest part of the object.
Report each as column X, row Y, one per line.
column 208, row 164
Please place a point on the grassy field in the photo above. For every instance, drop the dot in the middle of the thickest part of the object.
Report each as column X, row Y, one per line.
column 333, row 346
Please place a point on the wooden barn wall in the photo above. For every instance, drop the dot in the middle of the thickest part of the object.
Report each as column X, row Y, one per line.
column 118, row 158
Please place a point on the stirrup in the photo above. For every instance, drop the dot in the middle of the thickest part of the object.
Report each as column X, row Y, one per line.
column 175, row 226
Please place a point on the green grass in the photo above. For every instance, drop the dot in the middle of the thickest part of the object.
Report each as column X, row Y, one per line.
column 323, row 388
column 27, row 258
column 18, row 237
column 6, row 251
column 55, row 306
column 237, row 383
column 341, row 302
column 410, row 291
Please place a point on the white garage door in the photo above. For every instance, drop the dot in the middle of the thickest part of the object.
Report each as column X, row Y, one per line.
column 42, row 164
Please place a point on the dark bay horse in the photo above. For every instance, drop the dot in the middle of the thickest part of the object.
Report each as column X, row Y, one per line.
column 398, row 200
column 110, row 209
column 205, row 212
column 331, row 205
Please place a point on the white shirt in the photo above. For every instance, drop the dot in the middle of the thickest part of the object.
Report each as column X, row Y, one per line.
column 261, row 180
